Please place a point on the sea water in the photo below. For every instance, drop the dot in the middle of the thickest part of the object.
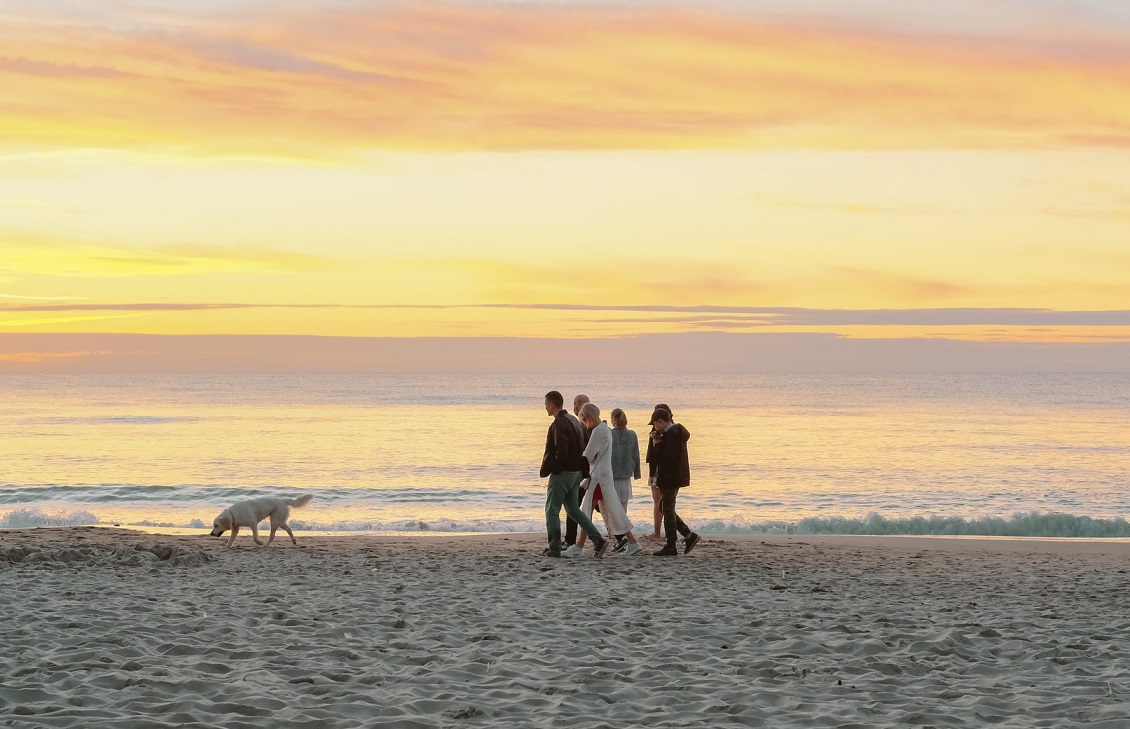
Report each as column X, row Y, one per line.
column 1009, row 454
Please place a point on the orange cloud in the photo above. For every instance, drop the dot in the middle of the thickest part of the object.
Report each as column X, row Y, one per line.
column 37, row 357
column 436, row 76
column 33, row 252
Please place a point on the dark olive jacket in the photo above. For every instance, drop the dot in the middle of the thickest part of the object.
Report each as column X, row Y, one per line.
column 670, row 459
column 564, row 446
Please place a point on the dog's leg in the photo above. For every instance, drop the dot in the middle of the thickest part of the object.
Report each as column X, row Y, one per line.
column 272, row 537
column 255, row 534
column 288, row 531
column 231, row 539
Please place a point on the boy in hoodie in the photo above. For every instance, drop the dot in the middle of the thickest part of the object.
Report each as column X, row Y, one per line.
column 673, row 472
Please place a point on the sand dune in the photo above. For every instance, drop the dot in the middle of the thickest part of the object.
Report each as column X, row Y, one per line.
column 113, row 628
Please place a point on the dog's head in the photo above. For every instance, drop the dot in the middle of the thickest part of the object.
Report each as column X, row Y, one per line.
column 221, row 523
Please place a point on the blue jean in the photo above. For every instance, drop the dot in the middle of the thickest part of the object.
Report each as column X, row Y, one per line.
column 563, row 490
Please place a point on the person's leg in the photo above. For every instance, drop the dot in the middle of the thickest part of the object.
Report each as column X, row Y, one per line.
column 555, row 495
column 657, row 511
column 587, row 506
column 673, row 526
column 573, row 509
column 570, row 530
column 623, row 493
column 667, row 499
column 681, row 526
column 629, row 535
column 570, row 523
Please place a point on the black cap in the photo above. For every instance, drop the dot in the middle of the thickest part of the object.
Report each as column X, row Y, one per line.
column 659, row 414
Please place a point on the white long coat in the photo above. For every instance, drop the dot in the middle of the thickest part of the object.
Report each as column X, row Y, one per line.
column 599, row 454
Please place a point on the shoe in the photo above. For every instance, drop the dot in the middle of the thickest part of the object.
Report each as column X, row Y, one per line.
column 602, row 548
column 553, row 553
column 631, row 549
column 573, row 551
column 668, row 551
column 689, row 542
column 621, row 542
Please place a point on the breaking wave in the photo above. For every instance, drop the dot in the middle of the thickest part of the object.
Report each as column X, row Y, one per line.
column 1032, row 524
column 24, row 518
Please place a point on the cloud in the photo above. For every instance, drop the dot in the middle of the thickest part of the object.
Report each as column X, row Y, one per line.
column 40, row 357
column 18, row 66
column 33, row 252
column 40, row 298
column 547, row 75
column 689, row 352
column 658, row 280
column 898, row 286
column 729, row 315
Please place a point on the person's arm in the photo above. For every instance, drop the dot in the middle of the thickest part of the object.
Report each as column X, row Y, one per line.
column 555, row 444
column 599, row 446
column 635, row 447
column 652, row 456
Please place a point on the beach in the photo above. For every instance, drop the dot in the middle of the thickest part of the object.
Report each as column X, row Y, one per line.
column 112, row 627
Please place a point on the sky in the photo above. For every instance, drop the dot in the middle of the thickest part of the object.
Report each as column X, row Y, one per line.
column 871, row 175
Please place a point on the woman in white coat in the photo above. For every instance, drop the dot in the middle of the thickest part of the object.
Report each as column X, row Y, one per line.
column 602, row 484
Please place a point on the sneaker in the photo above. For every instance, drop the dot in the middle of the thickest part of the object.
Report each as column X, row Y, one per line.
column 667, row 551
column 689, row 542
column 602, row 548
column 631, row 549
column 573, row 551
column 621, row 542
column 553, row 553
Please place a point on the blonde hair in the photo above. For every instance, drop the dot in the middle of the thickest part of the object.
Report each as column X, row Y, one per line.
column 590, row 412
column 619, row 419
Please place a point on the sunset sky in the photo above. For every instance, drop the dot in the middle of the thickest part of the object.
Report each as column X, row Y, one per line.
column 859, row 169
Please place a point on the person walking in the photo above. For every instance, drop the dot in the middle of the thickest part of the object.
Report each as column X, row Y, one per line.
column 602, row 487
column 672, row 472
column 653, row 439
column 571, row 526
column 625, row 464
column 561, row 462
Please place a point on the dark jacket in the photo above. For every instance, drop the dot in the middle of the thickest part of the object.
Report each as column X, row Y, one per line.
column 564, row 446
column 649, row 459
column 670, row 460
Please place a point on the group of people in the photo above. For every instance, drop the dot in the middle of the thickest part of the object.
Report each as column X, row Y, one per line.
column 591, row 467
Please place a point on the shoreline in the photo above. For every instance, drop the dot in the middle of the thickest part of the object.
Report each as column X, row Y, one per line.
column 947, row 542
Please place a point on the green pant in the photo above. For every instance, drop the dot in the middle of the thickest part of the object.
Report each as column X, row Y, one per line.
column 562, row 491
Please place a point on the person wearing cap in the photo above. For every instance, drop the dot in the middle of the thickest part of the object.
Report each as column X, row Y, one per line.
column 672, row 472
column 564, row 454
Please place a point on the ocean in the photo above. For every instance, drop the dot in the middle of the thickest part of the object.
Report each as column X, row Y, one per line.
column 968, row 454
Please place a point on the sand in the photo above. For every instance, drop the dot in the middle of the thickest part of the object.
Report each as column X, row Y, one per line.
column 115, row 628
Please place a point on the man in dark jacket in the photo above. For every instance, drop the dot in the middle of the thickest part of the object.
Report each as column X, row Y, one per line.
column 672, row 472
column 564, row 455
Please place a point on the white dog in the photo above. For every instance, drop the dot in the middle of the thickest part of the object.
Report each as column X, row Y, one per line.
column 249, row 513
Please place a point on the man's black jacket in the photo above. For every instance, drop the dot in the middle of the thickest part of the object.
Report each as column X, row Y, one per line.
column 672, row 464
column 564, row 446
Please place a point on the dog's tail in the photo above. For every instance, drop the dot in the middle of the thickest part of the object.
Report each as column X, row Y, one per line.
column 300, row 501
